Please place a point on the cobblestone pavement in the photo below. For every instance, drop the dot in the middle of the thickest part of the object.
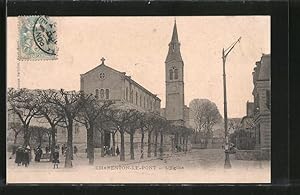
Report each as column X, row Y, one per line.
column 196, row 166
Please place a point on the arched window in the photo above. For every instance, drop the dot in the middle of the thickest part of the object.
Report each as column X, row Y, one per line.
column 176, row 73
column 126, row 93
column 136, row 98
column 171, row 74
column 97, row 93
column 107, row 94
column 140, row 100
column 102, row 93
column 131, row 96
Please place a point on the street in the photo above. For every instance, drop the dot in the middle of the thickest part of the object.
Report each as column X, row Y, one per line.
column 196, row 166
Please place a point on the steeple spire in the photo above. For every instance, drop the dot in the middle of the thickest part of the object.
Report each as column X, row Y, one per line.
column 175, row 34
column 174, row 46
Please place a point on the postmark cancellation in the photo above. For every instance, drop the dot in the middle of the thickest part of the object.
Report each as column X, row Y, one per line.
column 37, row 38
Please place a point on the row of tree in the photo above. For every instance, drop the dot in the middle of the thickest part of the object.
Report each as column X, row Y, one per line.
column 205, row 115
column 62, row 108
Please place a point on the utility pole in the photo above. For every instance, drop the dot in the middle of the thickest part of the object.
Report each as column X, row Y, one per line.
column 227, row 164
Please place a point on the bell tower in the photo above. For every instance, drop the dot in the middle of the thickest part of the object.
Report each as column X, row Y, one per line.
column 174, row 81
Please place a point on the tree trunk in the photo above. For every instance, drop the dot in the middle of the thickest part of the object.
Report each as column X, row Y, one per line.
column 90, row 145
column 16, row 137
column 26, row 136
column 205, row 142
column 142, row 144
column 122, row 154
column 186, row 143
column 155, row 143
column 53, row 143
column 161, row 144
column 102, row 143
column 69, row 151
column 113, row 143
column 176, row 140
column 149, row 144
column 49, row 140
column 131, row 146
column 172, row 145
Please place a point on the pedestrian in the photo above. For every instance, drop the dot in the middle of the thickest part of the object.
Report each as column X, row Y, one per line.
column 75, row 150
column 38, row 154
column 26, row 156
column 47, row 149
column 142, row 153
column 117, row 151
column 63, row 147
column 19, row 155
column 55, row 158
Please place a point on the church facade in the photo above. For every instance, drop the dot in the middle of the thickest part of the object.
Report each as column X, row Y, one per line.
column 106, row 83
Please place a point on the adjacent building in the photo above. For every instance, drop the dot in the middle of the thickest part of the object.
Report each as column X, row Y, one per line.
column 262, row 102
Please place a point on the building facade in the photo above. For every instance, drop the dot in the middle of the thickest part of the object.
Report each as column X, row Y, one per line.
column 262, row 103
column 106, row 83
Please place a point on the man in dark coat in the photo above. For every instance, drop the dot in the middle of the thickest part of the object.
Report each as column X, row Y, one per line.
column 55, row 158
column 26, row 157
column 19, row 155
column 38, row 154
column 117, row 151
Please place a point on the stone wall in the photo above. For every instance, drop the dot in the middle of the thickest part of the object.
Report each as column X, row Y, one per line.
column 253, row 155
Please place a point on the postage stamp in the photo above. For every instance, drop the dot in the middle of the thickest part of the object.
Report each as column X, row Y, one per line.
column 37, row 38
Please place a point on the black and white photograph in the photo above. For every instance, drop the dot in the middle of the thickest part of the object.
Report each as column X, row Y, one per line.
column 138, row 99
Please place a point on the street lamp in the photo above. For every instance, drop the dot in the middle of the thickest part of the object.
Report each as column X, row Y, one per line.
column 225, row 53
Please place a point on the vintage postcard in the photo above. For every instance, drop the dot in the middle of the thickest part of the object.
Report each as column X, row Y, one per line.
column 183, row 99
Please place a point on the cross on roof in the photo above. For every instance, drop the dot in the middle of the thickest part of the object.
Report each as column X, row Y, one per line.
column 102, row 60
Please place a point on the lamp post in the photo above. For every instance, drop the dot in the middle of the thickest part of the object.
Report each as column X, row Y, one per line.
column 227, row 164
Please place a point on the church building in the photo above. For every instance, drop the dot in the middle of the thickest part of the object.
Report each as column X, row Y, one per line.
column 107, row 83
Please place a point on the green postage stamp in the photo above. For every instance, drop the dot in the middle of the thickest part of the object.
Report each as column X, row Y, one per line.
column 37, row 38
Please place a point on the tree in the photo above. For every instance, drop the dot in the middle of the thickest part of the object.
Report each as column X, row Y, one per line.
column 23, row 102
column 243, row 139
column 122, row 120
column 92, row 112
column 233, row 125
column 68, row 105
column 205, row 114
column 39, row 134
column 159, row 126
column 16, row 128
column 133, row 124
column 143, row 125
column 164, row 128
column 186, row 133
column 151, row 121
column 49, row 111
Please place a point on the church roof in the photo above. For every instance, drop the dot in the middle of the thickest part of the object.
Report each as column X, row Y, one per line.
column 175, row 34
column 262, row 71
column 265, row 68
column 174, row 47
column 125, row 76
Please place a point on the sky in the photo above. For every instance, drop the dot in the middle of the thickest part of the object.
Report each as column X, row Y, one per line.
column 139, row 46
